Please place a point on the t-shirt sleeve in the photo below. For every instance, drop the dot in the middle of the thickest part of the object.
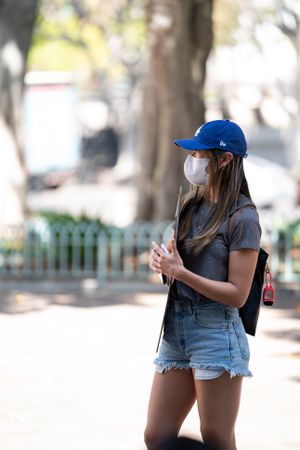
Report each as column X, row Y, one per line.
column 246, row 230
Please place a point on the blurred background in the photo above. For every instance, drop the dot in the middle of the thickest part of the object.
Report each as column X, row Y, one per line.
column 93, row 93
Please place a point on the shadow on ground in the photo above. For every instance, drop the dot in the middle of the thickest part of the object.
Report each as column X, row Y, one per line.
column 19, row 297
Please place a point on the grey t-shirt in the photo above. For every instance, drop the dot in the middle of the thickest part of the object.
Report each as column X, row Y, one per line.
column 212, row 261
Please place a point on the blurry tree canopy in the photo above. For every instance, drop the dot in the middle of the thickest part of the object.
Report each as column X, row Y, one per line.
column 284, row 16
column 225, row 21
column 107, row 39
column 88, row 36
column 288, row 21
column 180, row 37
column 16, row 24
column 71, row 34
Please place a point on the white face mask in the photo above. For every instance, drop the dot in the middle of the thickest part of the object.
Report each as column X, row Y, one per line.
column 195, row 170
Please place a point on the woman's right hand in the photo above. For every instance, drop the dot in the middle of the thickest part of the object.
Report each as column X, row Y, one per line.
column 152, row 260
column 152, row 253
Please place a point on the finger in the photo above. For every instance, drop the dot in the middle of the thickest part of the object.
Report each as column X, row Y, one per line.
column 150, row 263
column 156, row 258
column 157, row 249
column 154, row 269
column 150, row 259
column 156, row 262
column 152, row 255
column 173, row 246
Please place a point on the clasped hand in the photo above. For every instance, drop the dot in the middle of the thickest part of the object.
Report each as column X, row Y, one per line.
column 166, row 264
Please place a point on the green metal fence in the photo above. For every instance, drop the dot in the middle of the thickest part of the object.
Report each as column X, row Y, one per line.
column 87, row 250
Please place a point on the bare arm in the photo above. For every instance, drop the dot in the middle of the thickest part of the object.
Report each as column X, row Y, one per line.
column 233, row 292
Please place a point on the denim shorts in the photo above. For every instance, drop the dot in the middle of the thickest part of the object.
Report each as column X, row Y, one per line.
column 207, row 336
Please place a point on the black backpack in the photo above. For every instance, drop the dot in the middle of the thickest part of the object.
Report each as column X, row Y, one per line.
column 249, row 312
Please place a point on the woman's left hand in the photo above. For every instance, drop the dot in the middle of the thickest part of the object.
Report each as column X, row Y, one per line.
column 166, row 264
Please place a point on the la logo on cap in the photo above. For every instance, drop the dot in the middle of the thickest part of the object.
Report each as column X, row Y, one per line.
column 222, row 144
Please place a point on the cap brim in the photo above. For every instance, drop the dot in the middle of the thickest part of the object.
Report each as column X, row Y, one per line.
column 192, row 144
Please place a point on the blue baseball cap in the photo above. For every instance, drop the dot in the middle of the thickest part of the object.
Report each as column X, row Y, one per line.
column 219, row 134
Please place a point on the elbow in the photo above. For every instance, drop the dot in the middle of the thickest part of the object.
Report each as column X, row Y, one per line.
column 239, row 302
column 240, row 299
column 239, row 295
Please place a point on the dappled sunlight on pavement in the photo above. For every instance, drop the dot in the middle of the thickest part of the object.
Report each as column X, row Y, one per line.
column 79, row 377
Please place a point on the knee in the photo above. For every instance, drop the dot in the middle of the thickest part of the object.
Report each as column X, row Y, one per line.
column 153, row 438
column 217, row 438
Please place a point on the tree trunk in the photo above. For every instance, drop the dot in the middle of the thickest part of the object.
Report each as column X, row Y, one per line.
column 180, row 38
column 16, row 25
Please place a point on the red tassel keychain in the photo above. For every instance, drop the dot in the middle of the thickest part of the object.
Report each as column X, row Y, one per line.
column 269, row 291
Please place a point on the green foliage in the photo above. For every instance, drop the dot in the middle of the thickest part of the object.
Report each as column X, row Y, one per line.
column 292, row 229
column 64, row 218
column 226, row 21
column 61, row 43
column 97, row 37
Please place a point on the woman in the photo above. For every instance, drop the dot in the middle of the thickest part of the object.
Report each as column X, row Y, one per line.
column 213, row 267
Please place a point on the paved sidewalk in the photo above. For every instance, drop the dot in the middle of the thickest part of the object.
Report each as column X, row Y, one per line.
column 76, row 369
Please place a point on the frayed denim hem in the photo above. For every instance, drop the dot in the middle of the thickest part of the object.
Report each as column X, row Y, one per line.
column 162, row 367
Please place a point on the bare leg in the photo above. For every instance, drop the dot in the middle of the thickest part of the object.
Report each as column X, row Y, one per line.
column 218, row 404
column 172, row 397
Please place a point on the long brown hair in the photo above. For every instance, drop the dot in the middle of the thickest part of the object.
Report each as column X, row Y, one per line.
column 225, row 184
